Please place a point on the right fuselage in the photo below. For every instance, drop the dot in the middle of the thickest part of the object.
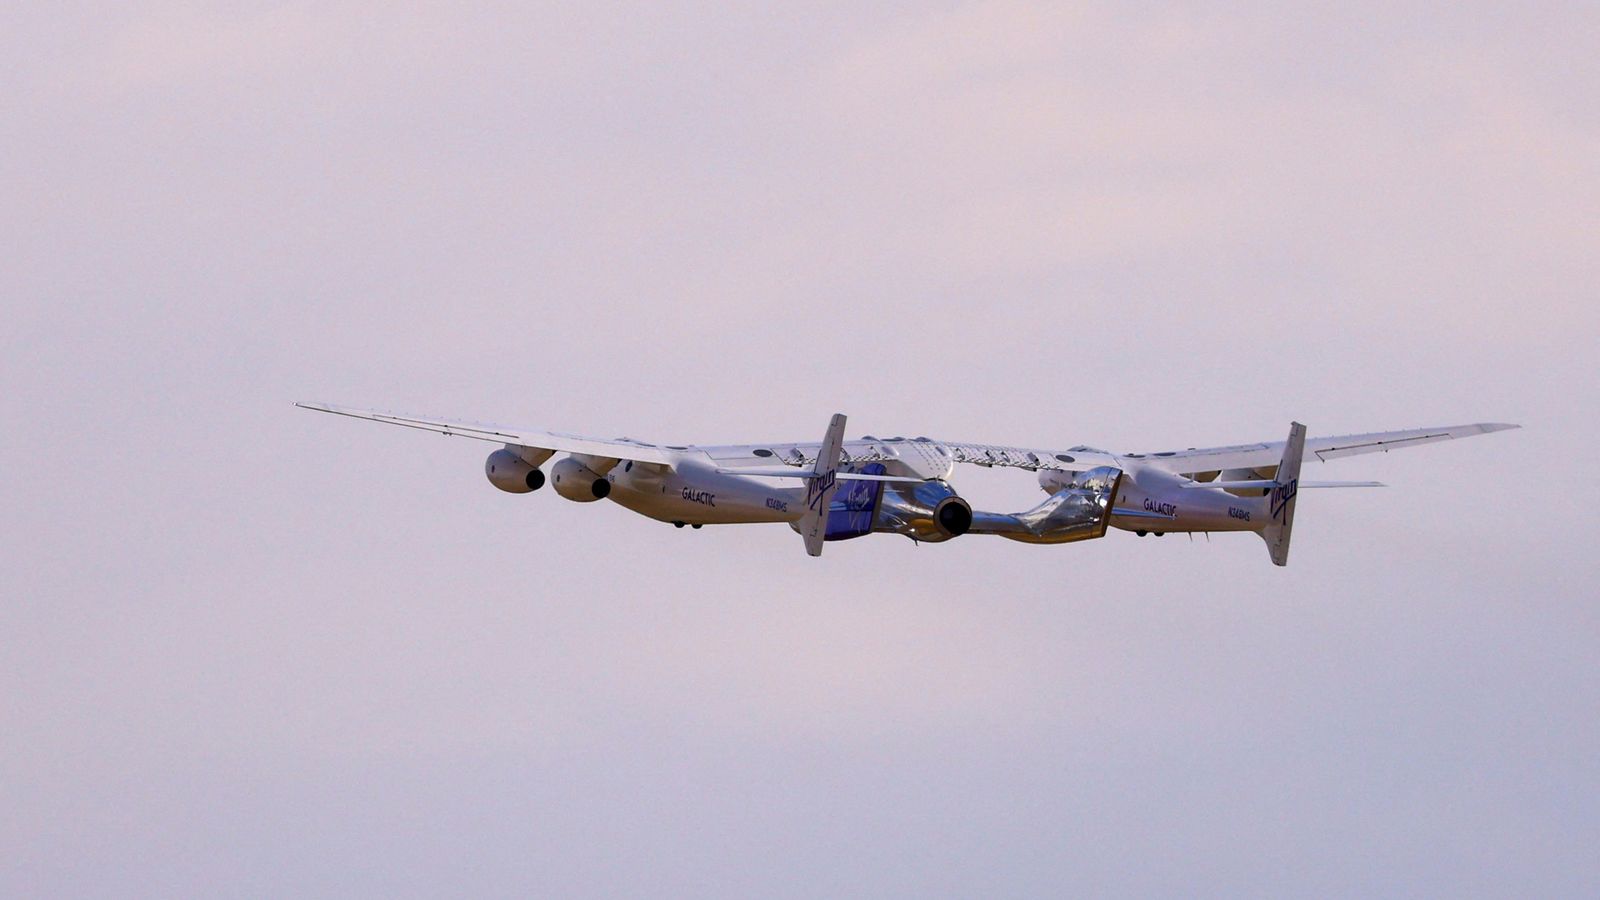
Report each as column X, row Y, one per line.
column 1169, row 506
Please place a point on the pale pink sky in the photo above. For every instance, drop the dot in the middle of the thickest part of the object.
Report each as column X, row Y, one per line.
column 245, row 649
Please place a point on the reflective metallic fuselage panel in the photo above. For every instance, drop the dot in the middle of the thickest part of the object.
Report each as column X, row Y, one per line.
column 1078, row 510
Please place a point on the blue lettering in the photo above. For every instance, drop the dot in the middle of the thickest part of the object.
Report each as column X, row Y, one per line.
column 703, row 497
column 1166, row 509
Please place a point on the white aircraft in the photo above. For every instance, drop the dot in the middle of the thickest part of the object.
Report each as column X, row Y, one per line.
column 838, row 489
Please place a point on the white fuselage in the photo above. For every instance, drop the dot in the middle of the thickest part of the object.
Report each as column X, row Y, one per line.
column 694, row 492
column 1160, row 495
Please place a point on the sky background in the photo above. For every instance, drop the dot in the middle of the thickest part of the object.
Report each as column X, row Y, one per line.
column 250, row 650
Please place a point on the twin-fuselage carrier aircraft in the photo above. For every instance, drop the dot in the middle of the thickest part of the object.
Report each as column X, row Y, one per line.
column 838, row 489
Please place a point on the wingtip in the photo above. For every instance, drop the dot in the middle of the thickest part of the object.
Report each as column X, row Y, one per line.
column 1498, row 426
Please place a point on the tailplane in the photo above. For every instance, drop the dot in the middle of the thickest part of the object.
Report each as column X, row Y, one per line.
column 1280, row 499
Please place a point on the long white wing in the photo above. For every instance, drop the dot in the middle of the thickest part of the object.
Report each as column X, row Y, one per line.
column 1266, row 455
column 794, row 455
column 799, row 454
column 1209, row 459
column 620, row 448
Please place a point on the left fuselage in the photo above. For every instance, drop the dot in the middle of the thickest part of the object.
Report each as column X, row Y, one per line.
column 694, row 492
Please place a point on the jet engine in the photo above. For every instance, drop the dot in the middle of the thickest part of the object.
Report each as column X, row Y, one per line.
column 511, row 473
column 576, row 481
column 926, row 511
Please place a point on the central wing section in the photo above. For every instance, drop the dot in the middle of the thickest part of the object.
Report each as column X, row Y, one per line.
column 919, row 457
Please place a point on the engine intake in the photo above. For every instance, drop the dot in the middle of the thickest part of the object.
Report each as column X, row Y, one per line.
column 954, row 516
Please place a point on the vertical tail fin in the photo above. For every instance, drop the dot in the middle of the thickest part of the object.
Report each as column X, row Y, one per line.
column 821, row 486
column 1281, row 499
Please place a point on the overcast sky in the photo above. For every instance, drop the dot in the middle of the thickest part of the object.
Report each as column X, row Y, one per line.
column 246, row 649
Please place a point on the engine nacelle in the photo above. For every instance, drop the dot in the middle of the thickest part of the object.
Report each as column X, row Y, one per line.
column 577, row 482
column 511, row 473
column 927, row 511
